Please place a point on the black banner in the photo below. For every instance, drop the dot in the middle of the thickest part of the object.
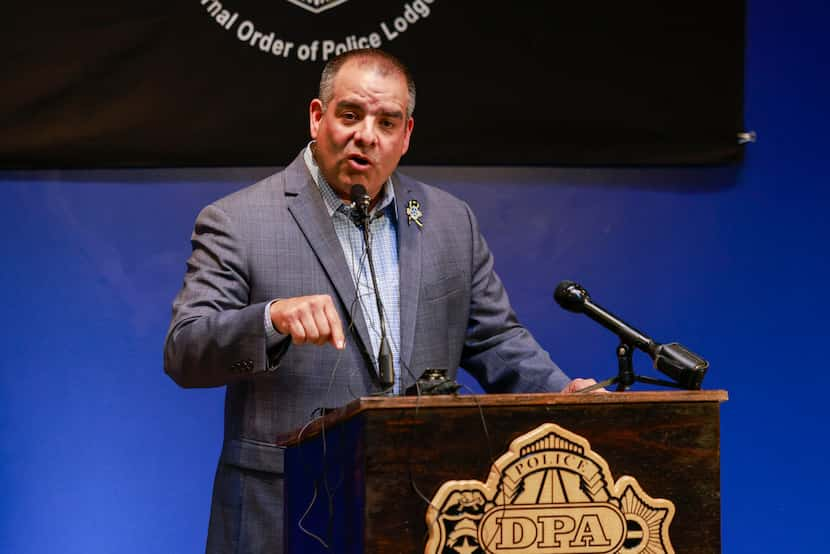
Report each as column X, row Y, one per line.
column 209, row 83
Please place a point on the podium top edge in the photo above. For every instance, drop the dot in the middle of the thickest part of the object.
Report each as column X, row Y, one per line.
column 365, row 404
column 537, row 399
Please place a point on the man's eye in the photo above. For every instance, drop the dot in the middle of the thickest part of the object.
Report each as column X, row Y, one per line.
column 349, row 116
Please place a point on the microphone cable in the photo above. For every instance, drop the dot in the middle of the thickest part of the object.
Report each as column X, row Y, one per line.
column 322, row 411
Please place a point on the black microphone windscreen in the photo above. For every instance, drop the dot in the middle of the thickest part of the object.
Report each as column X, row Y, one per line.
column 571, row 296
column 358, row 193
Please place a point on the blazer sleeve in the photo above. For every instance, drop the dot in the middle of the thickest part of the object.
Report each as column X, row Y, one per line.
column 498, row 351
column 216, row 337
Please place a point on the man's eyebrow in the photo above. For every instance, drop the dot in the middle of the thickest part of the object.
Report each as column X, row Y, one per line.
column 349, row 105
column 394, row 114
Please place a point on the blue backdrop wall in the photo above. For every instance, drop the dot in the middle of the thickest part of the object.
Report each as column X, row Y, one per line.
column 101, row 452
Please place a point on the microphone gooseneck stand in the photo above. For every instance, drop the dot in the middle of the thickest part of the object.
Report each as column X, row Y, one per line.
column 360, row 204
column 386, row 371
column 625, row 374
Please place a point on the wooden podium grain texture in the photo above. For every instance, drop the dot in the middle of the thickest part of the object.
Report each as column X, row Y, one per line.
column 360, row 477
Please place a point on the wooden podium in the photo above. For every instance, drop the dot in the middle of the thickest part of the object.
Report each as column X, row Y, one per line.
column 361, row 478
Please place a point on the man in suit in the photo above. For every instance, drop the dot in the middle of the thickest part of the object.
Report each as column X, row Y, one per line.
column 278, row 304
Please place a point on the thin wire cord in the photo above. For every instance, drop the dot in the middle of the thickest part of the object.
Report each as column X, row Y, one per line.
column 331, row 491
column 320, row 413
column 357, row 276
column 492, row 458
column 300, row 525
column 300, row 521
column 412, row 482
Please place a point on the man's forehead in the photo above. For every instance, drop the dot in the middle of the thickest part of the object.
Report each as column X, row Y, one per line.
column 371, row 65
column 354, row 89
column 354, row 70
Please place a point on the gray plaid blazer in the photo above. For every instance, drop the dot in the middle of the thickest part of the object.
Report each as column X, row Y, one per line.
column 275, row 239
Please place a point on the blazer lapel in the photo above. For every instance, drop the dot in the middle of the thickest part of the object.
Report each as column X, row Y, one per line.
column 409, row 268
column 309, row 211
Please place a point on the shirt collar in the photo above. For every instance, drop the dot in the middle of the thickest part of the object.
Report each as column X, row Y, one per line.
column 333, row 202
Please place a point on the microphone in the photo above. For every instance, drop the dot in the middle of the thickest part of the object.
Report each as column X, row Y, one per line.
column 673, row 359
column 360, row 216
column 360, row 204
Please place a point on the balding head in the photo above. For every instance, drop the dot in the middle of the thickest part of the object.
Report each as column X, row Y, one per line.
column 382, row 62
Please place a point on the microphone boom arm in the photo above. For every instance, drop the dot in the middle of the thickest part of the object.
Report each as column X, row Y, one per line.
column 672, row 359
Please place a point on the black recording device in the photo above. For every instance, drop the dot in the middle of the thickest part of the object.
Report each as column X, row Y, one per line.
column 433, row 382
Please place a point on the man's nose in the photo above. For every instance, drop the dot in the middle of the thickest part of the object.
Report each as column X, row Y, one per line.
column 365, row 133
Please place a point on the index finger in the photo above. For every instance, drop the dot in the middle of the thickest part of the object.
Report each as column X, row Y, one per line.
column 337, row 337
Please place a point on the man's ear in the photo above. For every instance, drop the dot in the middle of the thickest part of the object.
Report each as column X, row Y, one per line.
column 409, row 126
column 315, row 116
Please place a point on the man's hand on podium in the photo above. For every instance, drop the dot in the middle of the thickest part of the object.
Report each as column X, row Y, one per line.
column 578, row 384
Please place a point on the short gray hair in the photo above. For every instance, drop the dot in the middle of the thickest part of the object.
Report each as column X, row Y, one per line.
column 383, row 62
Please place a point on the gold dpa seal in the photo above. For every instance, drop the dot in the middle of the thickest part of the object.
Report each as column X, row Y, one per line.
column 548, row 494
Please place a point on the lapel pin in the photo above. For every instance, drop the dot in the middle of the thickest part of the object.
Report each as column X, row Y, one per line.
column 414, row 213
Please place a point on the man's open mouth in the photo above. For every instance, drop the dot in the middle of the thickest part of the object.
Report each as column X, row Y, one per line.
column 362, row 161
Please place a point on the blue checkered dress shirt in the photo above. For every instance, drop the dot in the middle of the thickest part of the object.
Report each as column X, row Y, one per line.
column 384, row 236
